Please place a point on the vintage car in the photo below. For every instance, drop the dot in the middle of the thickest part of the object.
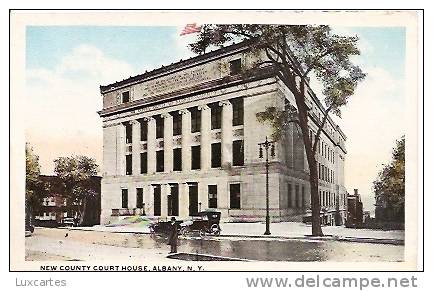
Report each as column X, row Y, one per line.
column 163, row 227
column 205, row 222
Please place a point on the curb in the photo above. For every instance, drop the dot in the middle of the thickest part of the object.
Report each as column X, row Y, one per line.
column 203, row 257
column 306, row 237
column 325, row 238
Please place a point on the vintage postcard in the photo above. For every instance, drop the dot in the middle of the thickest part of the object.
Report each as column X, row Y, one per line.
column 215, row 141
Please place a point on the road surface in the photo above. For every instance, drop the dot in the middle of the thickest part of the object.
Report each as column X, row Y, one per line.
column 53, row 244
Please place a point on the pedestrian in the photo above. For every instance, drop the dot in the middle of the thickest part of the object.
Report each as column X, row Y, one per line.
column 172, row 238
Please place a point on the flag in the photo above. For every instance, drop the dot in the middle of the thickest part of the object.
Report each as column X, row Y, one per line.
column 190, row 28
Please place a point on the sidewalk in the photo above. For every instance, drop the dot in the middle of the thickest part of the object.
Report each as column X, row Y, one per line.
column 281, row 230
column 296, row 230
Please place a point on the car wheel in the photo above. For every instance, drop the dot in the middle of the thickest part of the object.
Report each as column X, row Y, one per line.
column 215, row 229
column 184, row 231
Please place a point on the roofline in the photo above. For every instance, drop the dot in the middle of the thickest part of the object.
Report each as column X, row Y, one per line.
column 55, row 176
column 174, row 66
column 182, row 64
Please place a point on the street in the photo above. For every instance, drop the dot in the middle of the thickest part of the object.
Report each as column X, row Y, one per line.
column 54, row 244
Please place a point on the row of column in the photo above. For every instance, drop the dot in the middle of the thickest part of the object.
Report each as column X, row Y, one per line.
column 205, row 140
column 183, row 196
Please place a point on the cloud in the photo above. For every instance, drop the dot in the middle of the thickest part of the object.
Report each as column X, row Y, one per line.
column 364, row 46
column 373, row 119
column 62, row 104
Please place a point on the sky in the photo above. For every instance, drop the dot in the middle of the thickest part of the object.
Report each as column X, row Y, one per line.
column 66, row 64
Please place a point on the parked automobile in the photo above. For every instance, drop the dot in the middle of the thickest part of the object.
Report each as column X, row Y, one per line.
column 163, row 227
column 205, row 222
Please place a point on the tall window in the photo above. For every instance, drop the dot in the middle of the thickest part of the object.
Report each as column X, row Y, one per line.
column 143, row 163
column 323, row 171
column 195, row 157
column 125, row 97
column 235, row 196
column 160, row 161
column 173, row 201
column 238, row 153
column 143, row 129
column 238, row 111
column 124, row 198
column 216, row 112
column 297, row 196
column 177, row 124
column 159, row 126
column 195, row 119
column 216, row 155
column 177, row 159
column 235, row 67
column 213, row 200
column 303, row 196
column 289, row 195
column 157, row 200
column 128, row 165
column 139, row 200
column 128, row 132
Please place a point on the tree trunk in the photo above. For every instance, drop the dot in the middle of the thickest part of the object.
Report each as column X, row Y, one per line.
column 83, row 212
column 316, row 225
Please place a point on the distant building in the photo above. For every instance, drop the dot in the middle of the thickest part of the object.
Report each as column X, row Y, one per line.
column 54, row 208
column 184, row 138
column 355, row 211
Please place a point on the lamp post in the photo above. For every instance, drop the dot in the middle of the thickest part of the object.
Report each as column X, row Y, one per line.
column 267, row 144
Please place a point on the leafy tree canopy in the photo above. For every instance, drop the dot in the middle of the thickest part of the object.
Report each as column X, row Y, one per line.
column 389, row 186
column 297, row 50
column 33, row 171
column 36, row 189
column 75, row 173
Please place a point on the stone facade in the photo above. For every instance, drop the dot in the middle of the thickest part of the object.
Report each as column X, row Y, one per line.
column 208, row 110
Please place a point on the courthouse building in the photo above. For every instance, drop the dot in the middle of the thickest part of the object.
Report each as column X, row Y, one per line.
column 184, row 138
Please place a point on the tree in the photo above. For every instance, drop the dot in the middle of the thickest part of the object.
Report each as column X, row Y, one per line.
column 389, row 186
column 296, row 52
column 35, row 187
column 76, row 175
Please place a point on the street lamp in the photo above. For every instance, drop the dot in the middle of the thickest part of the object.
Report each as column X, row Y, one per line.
column 267, row 144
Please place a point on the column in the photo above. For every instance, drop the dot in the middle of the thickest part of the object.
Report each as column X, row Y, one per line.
column 226, row 132
column 205, row 137
column 151, row 145
column 203, row 197
column 186, row 136
column 183, row 200
column 168, row 142
column 148, row 199
column 165, row 191
column 290, row 146
column 135, row 147
column 121, row 149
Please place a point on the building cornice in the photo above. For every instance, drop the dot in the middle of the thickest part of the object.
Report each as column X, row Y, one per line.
column 221, row 83
column 175, row 67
